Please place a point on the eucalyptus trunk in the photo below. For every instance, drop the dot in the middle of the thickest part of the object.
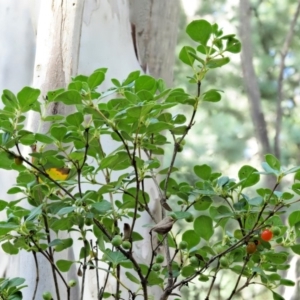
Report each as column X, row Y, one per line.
column 44, row 43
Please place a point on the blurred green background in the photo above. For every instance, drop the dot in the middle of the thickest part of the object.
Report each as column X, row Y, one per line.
column 225, row 135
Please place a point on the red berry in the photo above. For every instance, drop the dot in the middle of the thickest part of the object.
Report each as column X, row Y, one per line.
column 266, row 235
column 251, row 248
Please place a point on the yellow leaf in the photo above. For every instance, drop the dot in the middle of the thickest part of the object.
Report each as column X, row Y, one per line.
column 58, row 173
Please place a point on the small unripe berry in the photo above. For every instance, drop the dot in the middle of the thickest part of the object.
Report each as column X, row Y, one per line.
column 203, row 278
column 126, row 245
column 183, row 245
column 224, row 262
column 159, row 258
column 18, row 160
column 276, row 230
column 47, row 296
column 116, row 241
column 194, row 261
column 72, row 283
column 189, row 218
column 156, row 267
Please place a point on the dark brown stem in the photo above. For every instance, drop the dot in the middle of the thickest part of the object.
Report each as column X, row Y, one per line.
column 239, row 277
column 213, row 281
column 84, row 267
column 51, row 256
column 129, row 255
column 37, row 274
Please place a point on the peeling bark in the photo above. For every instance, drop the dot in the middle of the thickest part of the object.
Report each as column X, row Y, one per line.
column 78, row 37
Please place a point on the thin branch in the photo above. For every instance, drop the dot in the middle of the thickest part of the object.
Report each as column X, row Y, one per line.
column 213, row 281
column 128, row 254
column 37, row 274
column 239, row 277
column 283, row 53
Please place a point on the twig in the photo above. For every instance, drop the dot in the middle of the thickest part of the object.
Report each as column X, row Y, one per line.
column 213, row 280
column 239, row 277
column 128, row 254
column 37, row 274
column 85, row 242
column 51, row 256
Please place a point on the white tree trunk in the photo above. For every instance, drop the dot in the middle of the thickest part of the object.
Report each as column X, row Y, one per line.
column 78, row 37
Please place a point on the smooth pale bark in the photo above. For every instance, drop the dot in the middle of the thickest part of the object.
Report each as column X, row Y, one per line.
column 105, row 41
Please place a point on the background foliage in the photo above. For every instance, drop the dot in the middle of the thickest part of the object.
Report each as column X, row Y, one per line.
column 228, row 141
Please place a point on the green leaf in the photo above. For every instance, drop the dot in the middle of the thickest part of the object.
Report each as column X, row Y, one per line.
column 63, row 244
column 191, row 237
column 27, row 98
column 75, row 85
column 154, row 279
column 118, row 161
column 66, row 210
column 251, row 220
column 75, row 119
column 136, row 237
column 3, row 204
column 132, row 278
column 211, row 96
column 53, row 118
column 296, row 188
column 187, row 271
column 196, row 57
column 233, row 45
column 185, row 57
column 287, row 282
column 203, row 203
column 9, row 99
column 272, row 161
column 131, row 77
column 294, row 218
column 248, row 175
column 277, row 296
column 115, row 257
column 58, row 132
column 116, row 82
column 203, row 226
column 28, row 139
column 102, row 207
column 296, row 249
column 10, row 248
column 5, row 161
column 217, row 62
column 69, row 97
column 95, row 79
column 35, row 212
column 199, row 31
column 203, row 171
column 64, row 265
column 14, row 282
column 297, row 176
column 145, row 82
column 43, row 138
column 85, row 250
column 158, row 127
column 256, row 201
column 277, row 258
column 166, row 170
